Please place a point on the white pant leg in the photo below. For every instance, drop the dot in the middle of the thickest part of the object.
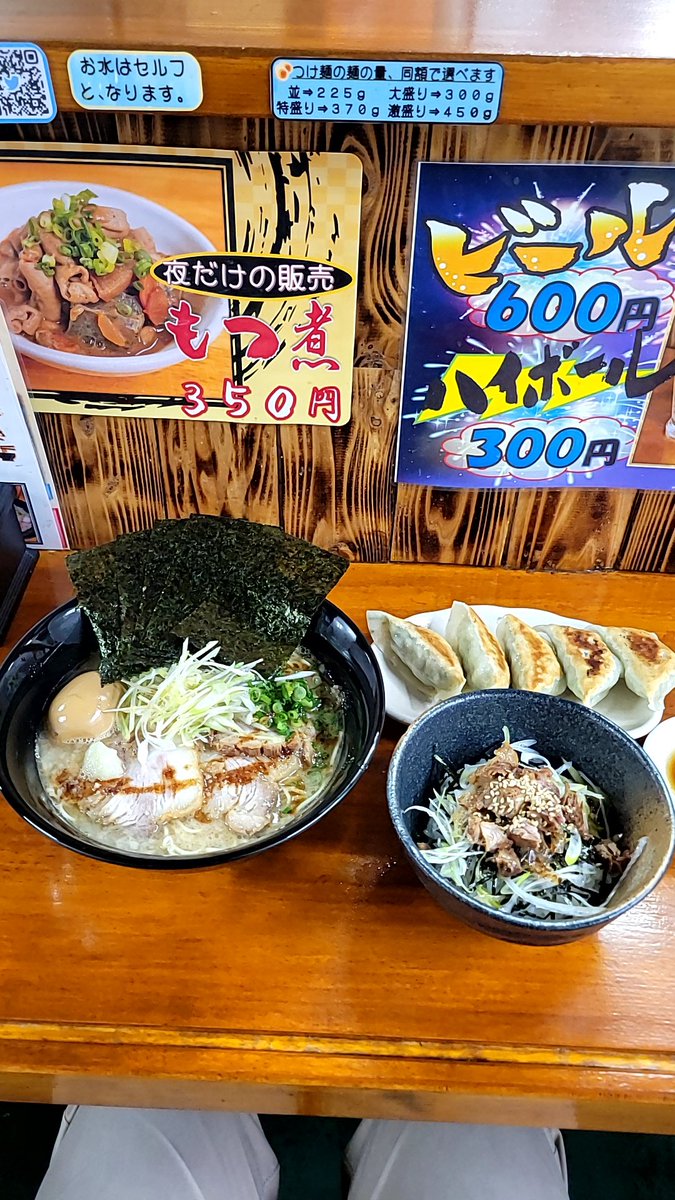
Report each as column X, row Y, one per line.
column 407, row 1160
column 160, row 1154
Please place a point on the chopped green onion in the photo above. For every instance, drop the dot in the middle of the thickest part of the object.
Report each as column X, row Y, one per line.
column 108, row 252
column 142, row 263
column 82, row 198
column 47, row 264
column 284, row 704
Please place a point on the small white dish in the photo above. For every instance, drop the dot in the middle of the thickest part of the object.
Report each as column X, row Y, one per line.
column 660, row 746
column 630, row 712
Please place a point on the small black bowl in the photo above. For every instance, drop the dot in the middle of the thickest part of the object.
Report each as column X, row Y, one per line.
column 63, row 645
column 464, row 729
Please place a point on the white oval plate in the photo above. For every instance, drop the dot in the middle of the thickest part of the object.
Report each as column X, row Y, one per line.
column 660, row 746
column 631, row 712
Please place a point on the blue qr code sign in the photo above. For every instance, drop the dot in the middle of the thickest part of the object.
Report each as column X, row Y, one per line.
column 338, row 89
column 26, row 90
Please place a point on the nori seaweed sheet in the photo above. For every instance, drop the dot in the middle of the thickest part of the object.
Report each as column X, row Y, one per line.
column 262, row 600
column 252, row 588
column 158, row 645
column 94, row 578
column 130, row 558
column 183, row 557
column 239, row 643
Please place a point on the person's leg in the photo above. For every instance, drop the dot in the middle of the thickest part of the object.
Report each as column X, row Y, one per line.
column 409, row 1160
column 160, row 1154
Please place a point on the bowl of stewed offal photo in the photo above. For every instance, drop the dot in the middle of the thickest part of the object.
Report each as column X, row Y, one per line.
column 531, row 818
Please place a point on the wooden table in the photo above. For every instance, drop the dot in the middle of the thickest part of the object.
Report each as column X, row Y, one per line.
column 321, row 977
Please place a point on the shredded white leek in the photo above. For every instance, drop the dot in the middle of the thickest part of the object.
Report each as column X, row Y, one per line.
column 182, row 704
column 573, row 884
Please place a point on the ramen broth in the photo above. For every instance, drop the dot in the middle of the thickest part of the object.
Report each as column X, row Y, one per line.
column 227, row 790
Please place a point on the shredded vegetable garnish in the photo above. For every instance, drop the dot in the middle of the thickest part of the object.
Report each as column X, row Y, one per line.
column 184, row 703
column 284, row 703
column 522, row 836
column 83, row 238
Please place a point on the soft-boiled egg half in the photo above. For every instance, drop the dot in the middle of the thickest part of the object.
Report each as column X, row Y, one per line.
column 84, row 710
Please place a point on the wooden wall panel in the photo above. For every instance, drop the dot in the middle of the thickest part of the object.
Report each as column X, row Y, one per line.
column 337, row 484
column 107, row 472
column 336, row 487
column 649, row 542
column 216, row 468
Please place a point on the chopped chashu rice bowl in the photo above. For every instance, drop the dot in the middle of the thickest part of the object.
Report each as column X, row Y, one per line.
column 197, row 757
column 523, row 837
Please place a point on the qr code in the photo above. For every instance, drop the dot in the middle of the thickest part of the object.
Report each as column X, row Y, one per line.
column 26, row 92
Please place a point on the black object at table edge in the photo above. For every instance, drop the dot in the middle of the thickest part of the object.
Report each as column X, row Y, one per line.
column 17, row 560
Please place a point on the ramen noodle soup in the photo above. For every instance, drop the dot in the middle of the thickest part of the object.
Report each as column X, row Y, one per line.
column 191, row 759
column 207, row 725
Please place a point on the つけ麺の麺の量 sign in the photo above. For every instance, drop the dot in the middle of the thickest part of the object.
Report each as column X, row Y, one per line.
column 541, row 300
column 202, row 285
column 343, row 89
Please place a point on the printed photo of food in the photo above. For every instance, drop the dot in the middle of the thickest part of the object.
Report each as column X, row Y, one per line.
column 76, row 279
column 81, row 230
column 75, row 257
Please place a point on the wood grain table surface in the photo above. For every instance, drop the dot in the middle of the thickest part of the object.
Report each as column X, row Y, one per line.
column 321, row 977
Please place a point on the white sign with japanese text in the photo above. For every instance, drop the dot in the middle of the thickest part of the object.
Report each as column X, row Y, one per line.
column 341, row 89
column 136, row 80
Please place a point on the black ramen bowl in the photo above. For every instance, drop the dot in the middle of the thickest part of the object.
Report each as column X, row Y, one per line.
column 467, row 728
column 63, row 645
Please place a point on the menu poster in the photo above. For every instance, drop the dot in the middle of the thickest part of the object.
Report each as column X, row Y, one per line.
column 194, row 284
column 540, row 309
column 23, row 462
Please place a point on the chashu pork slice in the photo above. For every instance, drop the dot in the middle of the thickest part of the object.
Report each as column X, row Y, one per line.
column 266, row 743
column 166, row 785
column 246, row 791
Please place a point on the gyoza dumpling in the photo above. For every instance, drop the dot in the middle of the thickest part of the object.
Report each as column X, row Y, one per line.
column 422, row 658
column 480, row 653
column 648, row 665
column 534, row 666
column 589, row 665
